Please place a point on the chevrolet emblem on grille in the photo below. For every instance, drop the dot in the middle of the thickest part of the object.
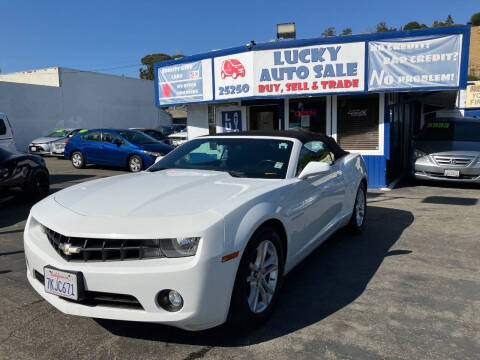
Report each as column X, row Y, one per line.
column 453, row 161
column 68, row 249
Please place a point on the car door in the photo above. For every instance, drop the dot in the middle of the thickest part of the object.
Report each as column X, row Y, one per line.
column 315, row 202
column 113, row 154
column 91, row 146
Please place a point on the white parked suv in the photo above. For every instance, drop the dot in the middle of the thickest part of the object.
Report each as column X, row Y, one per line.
column 7, row 141
column 204, row 236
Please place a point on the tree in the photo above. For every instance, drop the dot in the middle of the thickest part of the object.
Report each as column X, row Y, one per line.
column 347, row 31
column 382, row 27
column 329, row 32
column 149, row 60
column 475, row 19
column 412, row 25
column 449, row 20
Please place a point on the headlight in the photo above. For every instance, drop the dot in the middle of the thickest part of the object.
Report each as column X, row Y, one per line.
column 170, row 248
column 151, row 153
column 418, row 154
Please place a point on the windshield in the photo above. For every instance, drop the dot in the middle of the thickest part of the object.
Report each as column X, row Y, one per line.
column 165, row 130
column 137, row 137
column 444, row 130
column 240, row 157
column 59, row 133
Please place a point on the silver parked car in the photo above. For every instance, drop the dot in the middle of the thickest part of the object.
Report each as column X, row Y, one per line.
column 52, row 144
column 448, row 149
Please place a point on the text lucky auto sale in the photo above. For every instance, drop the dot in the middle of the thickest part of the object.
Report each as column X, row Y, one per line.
column 310, row 69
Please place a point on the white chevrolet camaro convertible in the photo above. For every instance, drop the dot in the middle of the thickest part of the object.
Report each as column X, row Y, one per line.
column 202, row 237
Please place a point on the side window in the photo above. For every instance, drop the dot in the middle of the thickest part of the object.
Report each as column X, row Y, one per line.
column 314, row 151
column 91, row 136
column 109, row 137
column 3, row 127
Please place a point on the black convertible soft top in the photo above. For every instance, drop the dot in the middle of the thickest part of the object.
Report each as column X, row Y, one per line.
column 301, row 135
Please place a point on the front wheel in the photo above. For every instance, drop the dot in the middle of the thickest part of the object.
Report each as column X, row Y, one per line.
column 258, row 281
column 38, row 184
column 359, row 213
column 135, row 163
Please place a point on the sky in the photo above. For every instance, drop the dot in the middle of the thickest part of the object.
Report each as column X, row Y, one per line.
column 112, row 36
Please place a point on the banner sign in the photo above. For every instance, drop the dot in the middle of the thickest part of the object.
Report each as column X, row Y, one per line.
column 186, row 82
column 234, row 76
column 231, row 121
column 310, row 69
column 419, row 63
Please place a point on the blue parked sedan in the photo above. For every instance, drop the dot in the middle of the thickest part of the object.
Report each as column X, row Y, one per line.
column 116, row 147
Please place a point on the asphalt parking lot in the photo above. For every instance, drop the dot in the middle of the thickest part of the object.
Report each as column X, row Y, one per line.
column 408, row 287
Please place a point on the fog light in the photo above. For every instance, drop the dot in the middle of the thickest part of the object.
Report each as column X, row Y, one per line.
column 175, row 298
column 170, row 300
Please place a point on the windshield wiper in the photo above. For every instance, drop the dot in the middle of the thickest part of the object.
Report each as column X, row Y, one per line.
column 237, row 173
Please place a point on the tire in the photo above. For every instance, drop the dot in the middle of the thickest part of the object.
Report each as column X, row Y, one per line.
column 359, row 213
column 78, row 161
column 38, row 184
column 135, row 163
column 244, row 312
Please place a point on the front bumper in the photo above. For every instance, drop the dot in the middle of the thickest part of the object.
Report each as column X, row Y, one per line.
column 427, row 170
column 40, row 149
column 204, row 282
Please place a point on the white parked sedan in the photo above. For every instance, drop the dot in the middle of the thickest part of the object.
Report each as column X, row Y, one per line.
column 204, row 236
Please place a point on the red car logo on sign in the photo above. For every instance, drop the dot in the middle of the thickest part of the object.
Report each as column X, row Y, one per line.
column 233, row 68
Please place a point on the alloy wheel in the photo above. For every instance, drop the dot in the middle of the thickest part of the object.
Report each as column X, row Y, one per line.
column 77, row 160
column 135, row 164
column 263, row 277
column 360, row 207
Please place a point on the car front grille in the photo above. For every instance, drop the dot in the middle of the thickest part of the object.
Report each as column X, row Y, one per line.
column 92, row 249
column 453, row 160
column 94, row 298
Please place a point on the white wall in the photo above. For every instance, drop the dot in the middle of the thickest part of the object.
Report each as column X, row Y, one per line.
column 197, row 120
column 84, row 100
column 47, row 77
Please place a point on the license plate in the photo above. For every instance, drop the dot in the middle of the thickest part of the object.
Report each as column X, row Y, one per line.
column 61, row 283
column 33, row 148
column 452, row 173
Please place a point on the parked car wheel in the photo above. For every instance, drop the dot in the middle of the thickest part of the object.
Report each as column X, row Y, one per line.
column 135, row 163
column 78, row 160
column 38, row 185
column 359, row 214
column 258, row 281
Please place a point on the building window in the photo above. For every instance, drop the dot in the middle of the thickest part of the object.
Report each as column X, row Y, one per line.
column 212, row 124
column 357, row 124
column 308, row 114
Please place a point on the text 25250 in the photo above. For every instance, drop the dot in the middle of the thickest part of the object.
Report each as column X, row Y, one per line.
column 233, row 89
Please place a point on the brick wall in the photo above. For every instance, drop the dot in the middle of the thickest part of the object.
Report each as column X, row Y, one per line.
column 474, row 59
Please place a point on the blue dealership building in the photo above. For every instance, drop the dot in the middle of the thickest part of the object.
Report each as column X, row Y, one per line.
column 371, row 92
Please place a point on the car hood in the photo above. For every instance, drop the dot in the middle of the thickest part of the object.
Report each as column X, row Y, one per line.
column 173, row 192
column 449, row 147
column 46, row 139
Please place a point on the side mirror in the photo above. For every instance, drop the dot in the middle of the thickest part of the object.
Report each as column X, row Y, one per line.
column 117, row 141
column 314, row 168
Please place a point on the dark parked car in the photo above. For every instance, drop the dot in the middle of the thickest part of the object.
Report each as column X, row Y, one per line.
column 448, row 149
column 116, row 147
column 156, row 134
column 27, row 172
